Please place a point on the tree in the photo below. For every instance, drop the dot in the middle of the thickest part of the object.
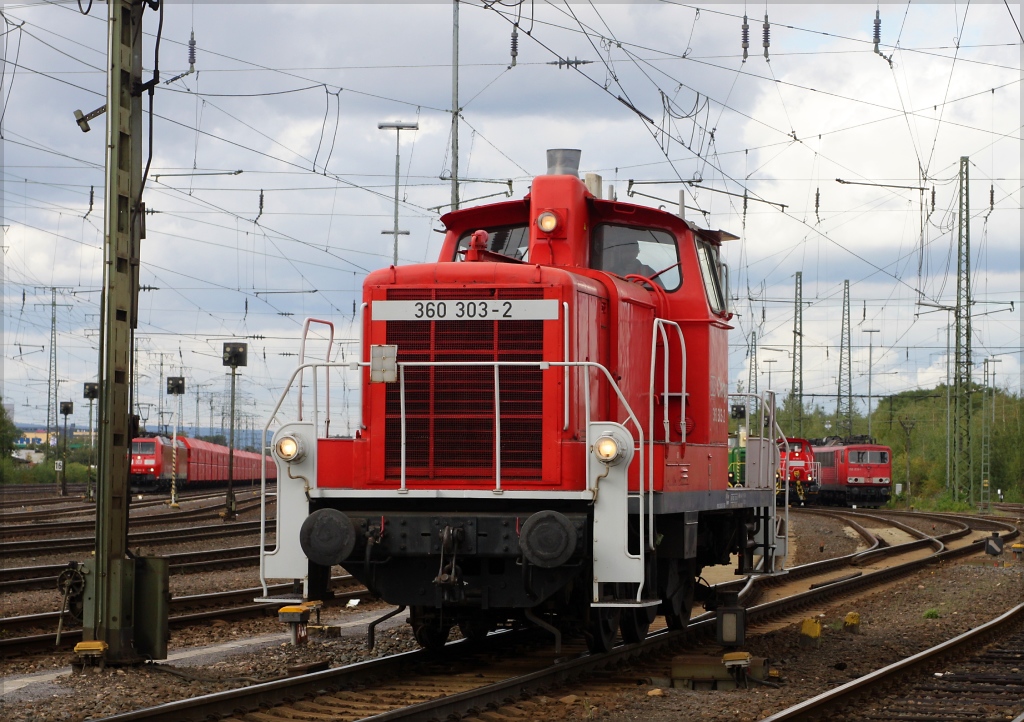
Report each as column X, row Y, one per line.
column 9, row 433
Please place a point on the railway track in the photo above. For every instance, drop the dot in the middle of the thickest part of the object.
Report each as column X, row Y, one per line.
column 28, row 513
column 11, row 493
column 466, row 678
column 978, row 675
column 45, row 576
column 40, row 547
column 171, row 517
column 233, row 604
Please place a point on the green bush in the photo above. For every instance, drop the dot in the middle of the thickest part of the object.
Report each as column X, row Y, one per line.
column 12, row 473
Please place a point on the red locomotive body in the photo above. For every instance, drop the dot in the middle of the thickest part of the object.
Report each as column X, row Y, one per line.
column 798, row 467
column 152, row 458
column 198, row 462
column 563, row 346
column 854, row 473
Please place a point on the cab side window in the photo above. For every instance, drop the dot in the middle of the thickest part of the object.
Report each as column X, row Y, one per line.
column 627, row 250
column 707, row 256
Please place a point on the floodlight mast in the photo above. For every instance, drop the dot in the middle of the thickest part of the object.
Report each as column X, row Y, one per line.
column 397, row 126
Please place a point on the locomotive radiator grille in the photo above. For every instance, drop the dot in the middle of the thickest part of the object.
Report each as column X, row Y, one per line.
column 449, row 410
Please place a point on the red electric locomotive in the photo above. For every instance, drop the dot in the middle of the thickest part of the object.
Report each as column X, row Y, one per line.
column 854, row 472
column 152, row 459
column 797, row 465
column 198, row 462
column 543, row 427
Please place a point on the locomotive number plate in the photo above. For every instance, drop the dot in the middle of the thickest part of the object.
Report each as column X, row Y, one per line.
column 488, row 309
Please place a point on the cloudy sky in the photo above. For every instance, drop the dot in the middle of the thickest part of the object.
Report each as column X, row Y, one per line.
column 271, row 183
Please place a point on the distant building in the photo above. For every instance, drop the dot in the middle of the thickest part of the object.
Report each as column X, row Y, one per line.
column 40, row 436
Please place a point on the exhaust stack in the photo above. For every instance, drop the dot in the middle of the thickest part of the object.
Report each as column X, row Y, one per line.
column 564, row 161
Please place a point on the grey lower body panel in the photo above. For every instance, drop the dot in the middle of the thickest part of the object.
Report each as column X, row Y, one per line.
column 677, row 502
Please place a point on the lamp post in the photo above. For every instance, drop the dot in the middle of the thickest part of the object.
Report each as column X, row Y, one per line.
column 871, row 338
column 175, row 387
column 770, row 361
column 235, row 355
column 398, row 127
column 67, row 408
column 91, row 391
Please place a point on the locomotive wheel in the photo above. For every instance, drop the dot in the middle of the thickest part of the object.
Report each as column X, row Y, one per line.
column 431, row 636
column 429, row 631
column 635, row 621
column 679, row 592
column 474, row 629
column 601, row 628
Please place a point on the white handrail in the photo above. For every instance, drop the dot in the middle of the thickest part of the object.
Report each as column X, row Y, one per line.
column 302, row 359
column 565, row 357
column 263, row 463
column 659, row 331
column 542, row 365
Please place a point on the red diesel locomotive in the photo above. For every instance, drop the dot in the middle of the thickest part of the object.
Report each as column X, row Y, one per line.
column 543, row 428
column 854, row 472
column 198, row 462
column 798, row 467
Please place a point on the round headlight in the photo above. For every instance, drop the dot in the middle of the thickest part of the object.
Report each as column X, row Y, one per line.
column 289, row 448
column 607, row 449
column 547, row 221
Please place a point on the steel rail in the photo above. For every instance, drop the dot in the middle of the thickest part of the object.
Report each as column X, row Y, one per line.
column 90, row 507
column 45, row 576
column 829, row 702
column 170, row 517
column 163, row 536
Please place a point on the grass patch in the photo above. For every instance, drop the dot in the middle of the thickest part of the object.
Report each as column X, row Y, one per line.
column 931, row 614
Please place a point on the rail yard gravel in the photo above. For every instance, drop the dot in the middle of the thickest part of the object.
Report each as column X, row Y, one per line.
column 897, row 620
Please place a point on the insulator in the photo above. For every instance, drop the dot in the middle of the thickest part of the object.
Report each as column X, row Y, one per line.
column 877, row 35
column 745, row 35
column 991, row 197
column 933, row 199
column 767, row 36
column 515, row 44
column 192, row 50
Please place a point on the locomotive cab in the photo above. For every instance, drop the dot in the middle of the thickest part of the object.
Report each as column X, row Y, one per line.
column 542, row 427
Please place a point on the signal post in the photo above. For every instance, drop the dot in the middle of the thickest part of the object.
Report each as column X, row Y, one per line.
column 125, row 599
column 235, row 355
column 175, row 388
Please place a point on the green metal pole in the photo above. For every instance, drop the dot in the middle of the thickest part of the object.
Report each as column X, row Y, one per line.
column 109, row 592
